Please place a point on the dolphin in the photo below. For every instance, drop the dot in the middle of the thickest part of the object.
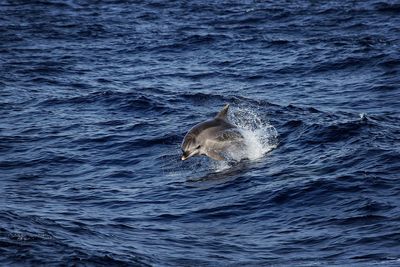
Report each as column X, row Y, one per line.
column 212, row 138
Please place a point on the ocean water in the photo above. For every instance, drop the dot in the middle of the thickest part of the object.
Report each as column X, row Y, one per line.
column 96, row 96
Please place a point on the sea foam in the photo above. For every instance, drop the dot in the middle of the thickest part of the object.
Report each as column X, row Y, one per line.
column 260, row 137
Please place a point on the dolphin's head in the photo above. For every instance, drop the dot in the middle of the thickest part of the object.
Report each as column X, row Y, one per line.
column 190, row 146
column 196, row 140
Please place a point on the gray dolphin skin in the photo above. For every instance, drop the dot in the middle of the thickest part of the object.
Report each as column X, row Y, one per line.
column 212, row 137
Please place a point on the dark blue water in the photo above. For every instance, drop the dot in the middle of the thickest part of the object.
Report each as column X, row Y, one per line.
column 96, row 96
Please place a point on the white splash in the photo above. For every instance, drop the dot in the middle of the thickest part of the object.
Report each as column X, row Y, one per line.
column 219, row 166
column 260, row 137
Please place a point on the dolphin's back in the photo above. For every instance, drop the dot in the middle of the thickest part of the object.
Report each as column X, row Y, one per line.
column 211, row 126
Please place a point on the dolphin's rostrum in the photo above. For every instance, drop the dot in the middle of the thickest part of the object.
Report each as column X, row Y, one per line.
column 212, row 138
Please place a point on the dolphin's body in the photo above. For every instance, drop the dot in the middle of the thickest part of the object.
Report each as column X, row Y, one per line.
column 212, row 138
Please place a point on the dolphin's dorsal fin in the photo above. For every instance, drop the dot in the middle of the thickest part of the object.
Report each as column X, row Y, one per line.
column 223, row 113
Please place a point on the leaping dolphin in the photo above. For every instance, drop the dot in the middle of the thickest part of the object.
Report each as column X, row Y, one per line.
column 212, row 138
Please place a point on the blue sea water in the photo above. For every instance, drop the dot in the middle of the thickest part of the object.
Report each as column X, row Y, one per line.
column 96, row 96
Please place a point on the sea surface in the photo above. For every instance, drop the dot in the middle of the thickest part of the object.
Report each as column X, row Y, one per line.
column 96, row 97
